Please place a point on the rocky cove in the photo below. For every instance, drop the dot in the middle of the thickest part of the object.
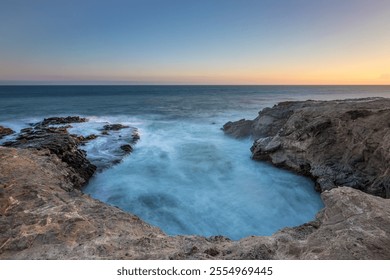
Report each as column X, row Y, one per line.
column 343, row 145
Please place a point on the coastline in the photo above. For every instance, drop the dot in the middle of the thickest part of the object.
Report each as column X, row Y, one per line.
column 45, row 216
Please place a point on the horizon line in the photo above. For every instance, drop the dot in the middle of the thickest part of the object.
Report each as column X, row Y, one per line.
column 116, row 84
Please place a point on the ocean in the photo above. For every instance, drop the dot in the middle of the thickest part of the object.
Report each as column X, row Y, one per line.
column 184, row 175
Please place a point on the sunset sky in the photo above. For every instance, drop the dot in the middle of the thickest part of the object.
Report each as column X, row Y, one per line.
column 195, row 42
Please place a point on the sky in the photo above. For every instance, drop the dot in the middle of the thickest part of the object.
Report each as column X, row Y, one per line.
column 268, row 42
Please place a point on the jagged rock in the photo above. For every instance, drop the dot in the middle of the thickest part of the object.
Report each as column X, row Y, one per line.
column 335, row 142
column 59, row 142
column 4, row 131
column 62, row 120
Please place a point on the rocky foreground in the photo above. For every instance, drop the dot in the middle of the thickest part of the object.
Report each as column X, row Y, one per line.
column 44, row 215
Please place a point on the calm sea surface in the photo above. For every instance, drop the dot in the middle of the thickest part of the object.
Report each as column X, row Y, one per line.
column 184, row 175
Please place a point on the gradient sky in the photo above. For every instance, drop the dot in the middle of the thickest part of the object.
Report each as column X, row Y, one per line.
column 195, row 42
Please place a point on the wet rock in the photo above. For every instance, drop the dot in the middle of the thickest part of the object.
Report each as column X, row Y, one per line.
column 4, row 131
column 62, row 120
column 87, row 138
column 126, row 148
column 114, row 127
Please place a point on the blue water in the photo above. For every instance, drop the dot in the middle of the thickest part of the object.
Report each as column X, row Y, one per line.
column 184, row 175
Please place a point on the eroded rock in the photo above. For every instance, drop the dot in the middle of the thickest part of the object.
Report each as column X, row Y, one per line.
column 335, row 142
column 59, row 142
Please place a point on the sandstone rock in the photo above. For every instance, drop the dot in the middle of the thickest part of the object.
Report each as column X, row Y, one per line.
column 335, row 142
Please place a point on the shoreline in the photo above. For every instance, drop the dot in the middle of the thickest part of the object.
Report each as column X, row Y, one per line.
column 57, row 221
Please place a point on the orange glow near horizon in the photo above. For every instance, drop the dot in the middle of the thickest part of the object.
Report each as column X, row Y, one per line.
column 261, row 43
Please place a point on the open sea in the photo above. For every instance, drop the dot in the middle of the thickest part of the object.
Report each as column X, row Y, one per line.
column 184, row 175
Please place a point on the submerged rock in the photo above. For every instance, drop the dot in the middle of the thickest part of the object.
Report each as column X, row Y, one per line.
column 343, row 142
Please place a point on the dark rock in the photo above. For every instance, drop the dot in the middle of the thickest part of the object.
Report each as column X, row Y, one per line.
column 355, row 114
column 87, row 138
column 114, row 127
column 212, row 252
column 4, row 131
column 62, row 120
column 126, row 148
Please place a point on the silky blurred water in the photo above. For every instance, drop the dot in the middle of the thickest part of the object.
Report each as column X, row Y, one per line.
column 184, row 174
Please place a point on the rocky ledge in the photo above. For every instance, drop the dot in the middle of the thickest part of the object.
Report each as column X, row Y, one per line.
column 337, row 143
column 43, row 215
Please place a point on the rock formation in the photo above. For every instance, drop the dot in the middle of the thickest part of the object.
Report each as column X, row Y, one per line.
column 338, row 143
column 43, row 214
column 59, row 142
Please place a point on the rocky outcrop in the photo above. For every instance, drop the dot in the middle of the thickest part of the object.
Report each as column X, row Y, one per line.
column 61, row 120
column 42, row 216
column 4, row 131
column 338, row 143
column 238, row 129
column 58, row 141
